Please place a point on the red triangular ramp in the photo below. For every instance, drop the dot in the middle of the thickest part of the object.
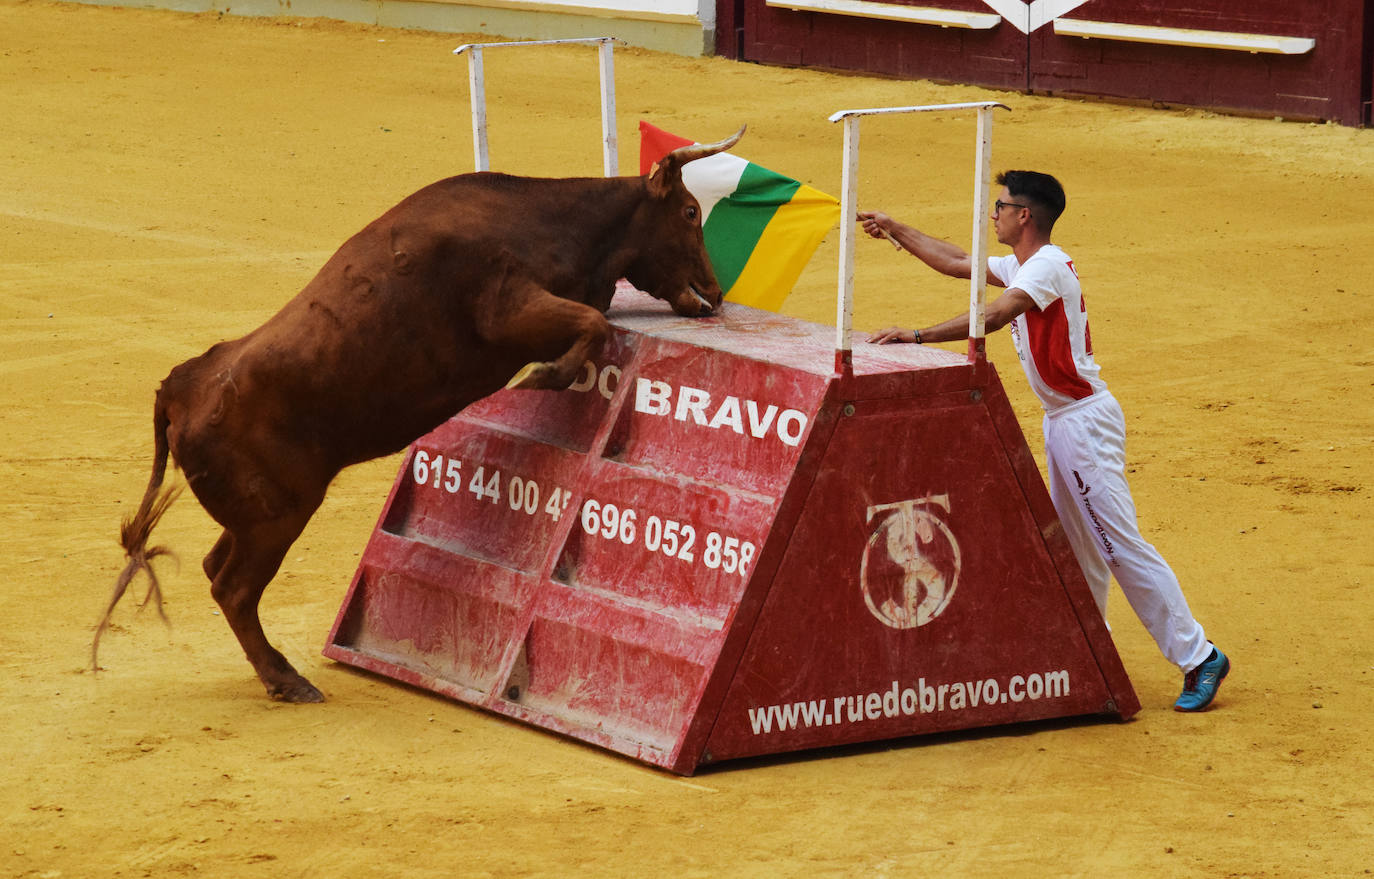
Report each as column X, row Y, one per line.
column 713, row 547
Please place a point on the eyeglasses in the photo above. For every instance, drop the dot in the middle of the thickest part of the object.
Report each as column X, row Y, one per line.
column 999, row 204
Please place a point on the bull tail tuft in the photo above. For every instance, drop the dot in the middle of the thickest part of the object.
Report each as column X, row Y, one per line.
column 135, row 531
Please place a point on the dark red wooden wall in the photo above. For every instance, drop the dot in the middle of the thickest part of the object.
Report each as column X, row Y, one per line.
column 1334, row 81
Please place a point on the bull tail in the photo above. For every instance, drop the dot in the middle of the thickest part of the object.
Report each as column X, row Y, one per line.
column 138, row 527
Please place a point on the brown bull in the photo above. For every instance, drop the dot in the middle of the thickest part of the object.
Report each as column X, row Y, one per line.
column 471, row 284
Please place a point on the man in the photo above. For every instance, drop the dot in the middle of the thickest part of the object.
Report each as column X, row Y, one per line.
column 1085, row 431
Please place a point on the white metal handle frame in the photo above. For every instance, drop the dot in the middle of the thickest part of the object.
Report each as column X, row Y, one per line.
column 478, row 96
column 849, row 209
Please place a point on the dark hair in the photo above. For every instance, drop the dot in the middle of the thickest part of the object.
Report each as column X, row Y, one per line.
column 1044, row 193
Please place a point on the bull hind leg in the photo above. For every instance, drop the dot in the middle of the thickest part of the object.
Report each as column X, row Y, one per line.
column 558, row 335
column 215, row 558
column 245, row 562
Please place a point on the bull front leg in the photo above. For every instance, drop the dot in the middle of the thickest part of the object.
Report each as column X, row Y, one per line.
column 557, row 336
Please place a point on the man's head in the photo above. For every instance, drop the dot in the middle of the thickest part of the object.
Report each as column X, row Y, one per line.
column 1028, row 197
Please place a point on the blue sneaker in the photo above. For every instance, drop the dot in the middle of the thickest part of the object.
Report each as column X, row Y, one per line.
column 1200, row 685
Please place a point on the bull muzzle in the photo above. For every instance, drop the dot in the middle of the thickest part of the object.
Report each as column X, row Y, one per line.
column 695, row 302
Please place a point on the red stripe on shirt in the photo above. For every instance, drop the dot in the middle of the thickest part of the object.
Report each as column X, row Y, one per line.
column 1053, row 355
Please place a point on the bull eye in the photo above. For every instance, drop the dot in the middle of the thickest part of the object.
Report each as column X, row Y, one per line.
column 692, row 213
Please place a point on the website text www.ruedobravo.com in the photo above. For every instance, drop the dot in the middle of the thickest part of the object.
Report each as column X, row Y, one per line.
column 923, row 698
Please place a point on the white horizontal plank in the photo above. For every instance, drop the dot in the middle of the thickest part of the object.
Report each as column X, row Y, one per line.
column 923, row 108
column 892, row 12
column 1173, row 36
column 635, row 10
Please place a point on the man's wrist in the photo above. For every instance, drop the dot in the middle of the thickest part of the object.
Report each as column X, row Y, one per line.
column 916, row 336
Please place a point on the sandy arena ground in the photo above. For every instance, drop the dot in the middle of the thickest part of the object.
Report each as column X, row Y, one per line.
column 167, row 181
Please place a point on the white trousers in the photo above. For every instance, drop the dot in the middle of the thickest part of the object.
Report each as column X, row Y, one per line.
column 1085, row 452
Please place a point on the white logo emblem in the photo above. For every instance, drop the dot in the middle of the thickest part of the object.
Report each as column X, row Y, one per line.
column 911, row 563
column 1027, row 17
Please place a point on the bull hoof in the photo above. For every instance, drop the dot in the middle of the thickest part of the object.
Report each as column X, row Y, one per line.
column 532, row 376
column 297, row 691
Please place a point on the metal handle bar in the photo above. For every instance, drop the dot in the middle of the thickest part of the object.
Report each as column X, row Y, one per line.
column 478, row 96
column 844, row 318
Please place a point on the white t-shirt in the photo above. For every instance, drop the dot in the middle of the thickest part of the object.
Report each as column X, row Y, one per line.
column 1052, row 340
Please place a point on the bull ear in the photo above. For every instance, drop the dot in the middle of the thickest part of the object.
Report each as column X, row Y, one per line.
column 667, row 172
column 663, row 176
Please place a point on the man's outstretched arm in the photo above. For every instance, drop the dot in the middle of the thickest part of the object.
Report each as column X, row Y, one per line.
column 942, row 256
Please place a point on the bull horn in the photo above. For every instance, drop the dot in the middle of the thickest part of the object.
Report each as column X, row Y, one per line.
column 685, row 154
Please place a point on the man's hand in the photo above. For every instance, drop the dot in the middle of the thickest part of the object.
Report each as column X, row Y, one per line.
column 892, row 334
column 875, row 223
column 878, row 225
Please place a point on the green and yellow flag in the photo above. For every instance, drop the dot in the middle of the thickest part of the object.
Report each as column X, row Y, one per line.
column 761, row 228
